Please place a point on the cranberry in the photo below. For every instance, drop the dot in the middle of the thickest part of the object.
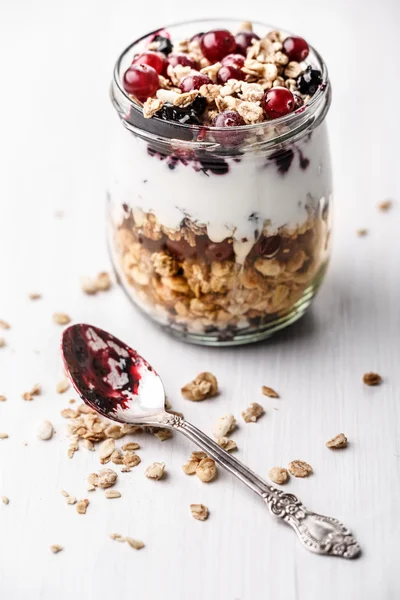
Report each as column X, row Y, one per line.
column 153, row 59
column 237, row 60
column 141, row 81
column 220, row 252
column 229, row 72
column 243, row 40
column 278, row 102
column 194, row 82
column 228, row 118
column 296, row 48
column 217, row 44
column 181, row 59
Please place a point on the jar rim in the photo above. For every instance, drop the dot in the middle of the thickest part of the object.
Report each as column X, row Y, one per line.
column 286, row 126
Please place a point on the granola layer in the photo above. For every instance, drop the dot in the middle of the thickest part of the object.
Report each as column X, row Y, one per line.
column 185, row 280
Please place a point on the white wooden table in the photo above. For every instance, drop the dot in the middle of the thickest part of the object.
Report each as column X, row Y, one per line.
column 56, row 62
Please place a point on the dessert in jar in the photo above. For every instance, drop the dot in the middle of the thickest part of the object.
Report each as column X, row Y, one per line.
column 220, row 188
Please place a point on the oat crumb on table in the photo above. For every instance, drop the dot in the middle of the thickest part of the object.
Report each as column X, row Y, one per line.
column 362, row 232
column 338, row 441
column 2, row 398
column 81, row 506
column 3, row 436
column 111, row 494
column 155, row 471
column 2, row 342
column 372, row 378
column 278, row 475
column 35, row 391
column 45, row 431
column 5, row 500
column 206, row 470
column 4, row 324
column 299, row 468
column 270, row 392
column 226, row 444
column 55, row 548
column 34, row 296
column 385, row 205
column 204, row 386
column 191, row 465
column 224, row 425
column 62, row 386
column 253, row 413
column 61, row 318
column 199, row 512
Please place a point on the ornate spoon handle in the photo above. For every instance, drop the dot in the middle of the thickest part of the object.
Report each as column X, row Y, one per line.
column 317, row 533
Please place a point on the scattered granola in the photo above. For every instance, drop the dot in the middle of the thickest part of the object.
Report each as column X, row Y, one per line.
column 135, row 544
column 130, row 446
column 61, row 318
column 372, row 378
column 299, row 468
column 111, row 494
column 204, row 386
column 199, row 511
column 62, row 386
column 2, row 398
column 35, row 391
column 3, row 436
column 162, row 434
column 117, row 537
column 226, row 444
column 131, row 459
column 339, row 441
column 101, row 283
column 5, row 500
column 104, row 479
column 278, row 475
column 206, row 470
column 81, row 506
column 155, row 471
column 55, row 548
column 106, row 450
column 224, row 425
column 46, row 430
column 362, row 232
column 385, row 205
column 267, row 391
column 253, row 412
column 4, row 324
column 74, row 447
column 191, row 465
column 71, row 500
column 34, row 296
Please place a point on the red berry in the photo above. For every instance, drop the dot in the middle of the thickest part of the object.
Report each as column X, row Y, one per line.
column 153, row 59
column 228, row 118
column 141, row 81
column 229, row 72
column 296, row 48
column 243, row 40
column 194, row 82
column 278, row 102
column 217, row 44
column 181, row 59
column 237, row 60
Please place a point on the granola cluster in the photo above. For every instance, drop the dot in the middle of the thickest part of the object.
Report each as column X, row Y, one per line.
column 173, row 274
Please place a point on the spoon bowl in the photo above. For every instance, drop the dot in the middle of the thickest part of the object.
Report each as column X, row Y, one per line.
column 110, row 377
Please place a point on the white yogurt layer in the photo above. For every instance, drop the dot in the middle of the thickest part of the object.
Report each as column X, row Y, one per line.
column 235, row 204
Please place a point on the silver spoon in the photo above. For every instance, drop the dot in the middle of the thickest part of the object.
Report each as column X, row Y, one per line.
column 119, row 384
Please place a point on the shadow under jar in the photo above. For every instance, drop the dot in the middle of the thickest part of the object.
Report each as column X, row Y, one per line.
column 221, row 235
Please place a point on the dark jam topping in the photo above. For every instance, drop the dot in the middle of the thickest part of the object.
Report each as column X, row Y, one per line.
column 164, row 44
column 102, row 367
column 189, row 115
column 309, row 81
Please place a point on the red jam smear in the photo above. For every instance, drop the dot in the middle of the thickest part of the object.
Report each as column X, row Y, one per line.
column 102, row 367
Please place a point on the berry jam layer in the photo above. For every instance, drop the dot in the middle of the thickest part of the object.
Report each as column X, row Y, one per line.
column 185, row 280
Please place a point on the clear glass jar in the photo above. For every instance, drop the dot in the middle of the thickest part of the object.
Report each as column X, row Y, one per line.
column 222, row 238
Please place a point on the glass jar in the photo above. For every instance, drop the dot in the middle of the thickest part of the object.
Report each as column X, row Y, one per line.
column 222, row 237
